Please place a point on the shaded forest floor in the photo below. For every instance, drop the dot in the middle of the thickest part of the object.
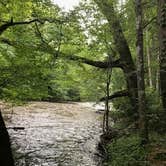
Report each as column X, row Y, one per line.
column 157, row 150
column 126, row 151
column 124, row 147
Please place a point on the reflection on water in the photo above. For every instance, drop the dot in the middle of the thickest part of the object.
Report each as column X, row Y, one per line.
column 54, row 134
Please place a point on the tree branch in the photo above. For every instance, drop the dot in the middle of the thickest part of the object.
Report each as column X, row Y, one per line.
column 11, row 23
column 149, row 22
column 122, row 93
column 6, row 41
column 8, row 24
column 99, row 64
column 36, row 47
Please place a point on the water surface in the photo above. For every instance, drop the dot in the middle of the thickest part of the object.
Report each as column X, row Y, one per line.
column 54, row 134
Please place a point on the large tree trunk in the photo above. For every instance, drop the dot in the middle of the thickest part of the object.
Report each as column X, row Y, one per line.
column 6, row 158
column 140, row 73
column 162, row 43
column 122, row 47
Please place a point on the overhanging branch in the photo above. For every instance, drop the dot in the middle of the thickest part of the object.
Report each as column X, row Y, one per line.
column 12, row 23
column 99, row 64
column 36, row 47
column 8, row 24
column 118, row 94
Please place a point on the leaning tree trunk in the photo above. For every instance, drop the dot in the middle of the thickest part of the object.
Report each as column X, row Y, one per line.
column 140, row 74
column 6, row 158
column 162, row 45
column 128, row 66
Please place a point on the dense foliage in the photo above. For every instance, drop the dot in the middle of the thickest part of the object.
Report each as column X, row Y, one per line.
column 30, row 69
column 48, row 54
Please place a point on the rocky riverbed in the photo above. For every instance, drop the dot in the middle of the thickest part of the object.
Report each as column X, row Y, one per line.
column 54, row 134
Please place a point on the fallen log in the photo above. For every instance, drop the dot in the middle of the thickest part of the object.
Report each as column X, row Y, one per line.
column 16, row 128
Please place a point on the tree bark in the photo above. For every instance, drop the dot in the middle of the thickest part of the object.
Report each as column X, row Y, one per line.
column 6, row 158
column 140, row 74
column 150, row 82
column 162, row 45
column 158, row 75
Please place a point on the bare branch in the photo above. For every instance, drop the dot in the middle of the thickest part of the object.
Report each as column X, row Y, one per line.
column 118, row 94
column 38, row 33
column 149, row 22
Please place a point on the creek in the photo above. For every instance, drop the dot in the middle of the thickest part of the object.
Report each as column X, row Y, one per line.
column 54, row 134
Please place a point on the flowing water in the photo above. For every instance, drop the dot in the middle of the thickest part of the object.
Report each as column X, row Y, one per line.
column 54, row 134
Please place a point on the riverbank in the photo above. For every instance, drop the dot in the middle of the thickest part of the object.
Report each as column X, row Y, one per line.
column 125, row 149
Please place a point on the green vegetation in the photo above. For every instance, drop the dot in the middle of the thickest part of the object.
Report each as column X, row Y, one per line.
column 47, row 54
column 31, row 67
column 126, row 151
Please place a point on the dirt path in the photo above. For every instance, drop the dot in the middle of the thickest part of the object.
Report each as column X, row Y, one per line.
column 55, row 134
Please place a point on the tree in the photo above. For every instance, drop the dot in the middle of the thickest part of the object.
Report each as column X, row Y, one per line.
column 122, row 47
column 124, row 61
column 162, row 45
column 140, row 73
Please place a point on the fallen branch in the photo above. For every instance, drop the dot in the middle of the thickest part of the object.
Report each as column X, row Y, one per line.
column 16, row 128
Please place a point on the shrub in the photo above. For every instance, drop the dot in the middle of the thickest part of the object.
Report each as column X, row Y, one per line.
column 126, row 151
